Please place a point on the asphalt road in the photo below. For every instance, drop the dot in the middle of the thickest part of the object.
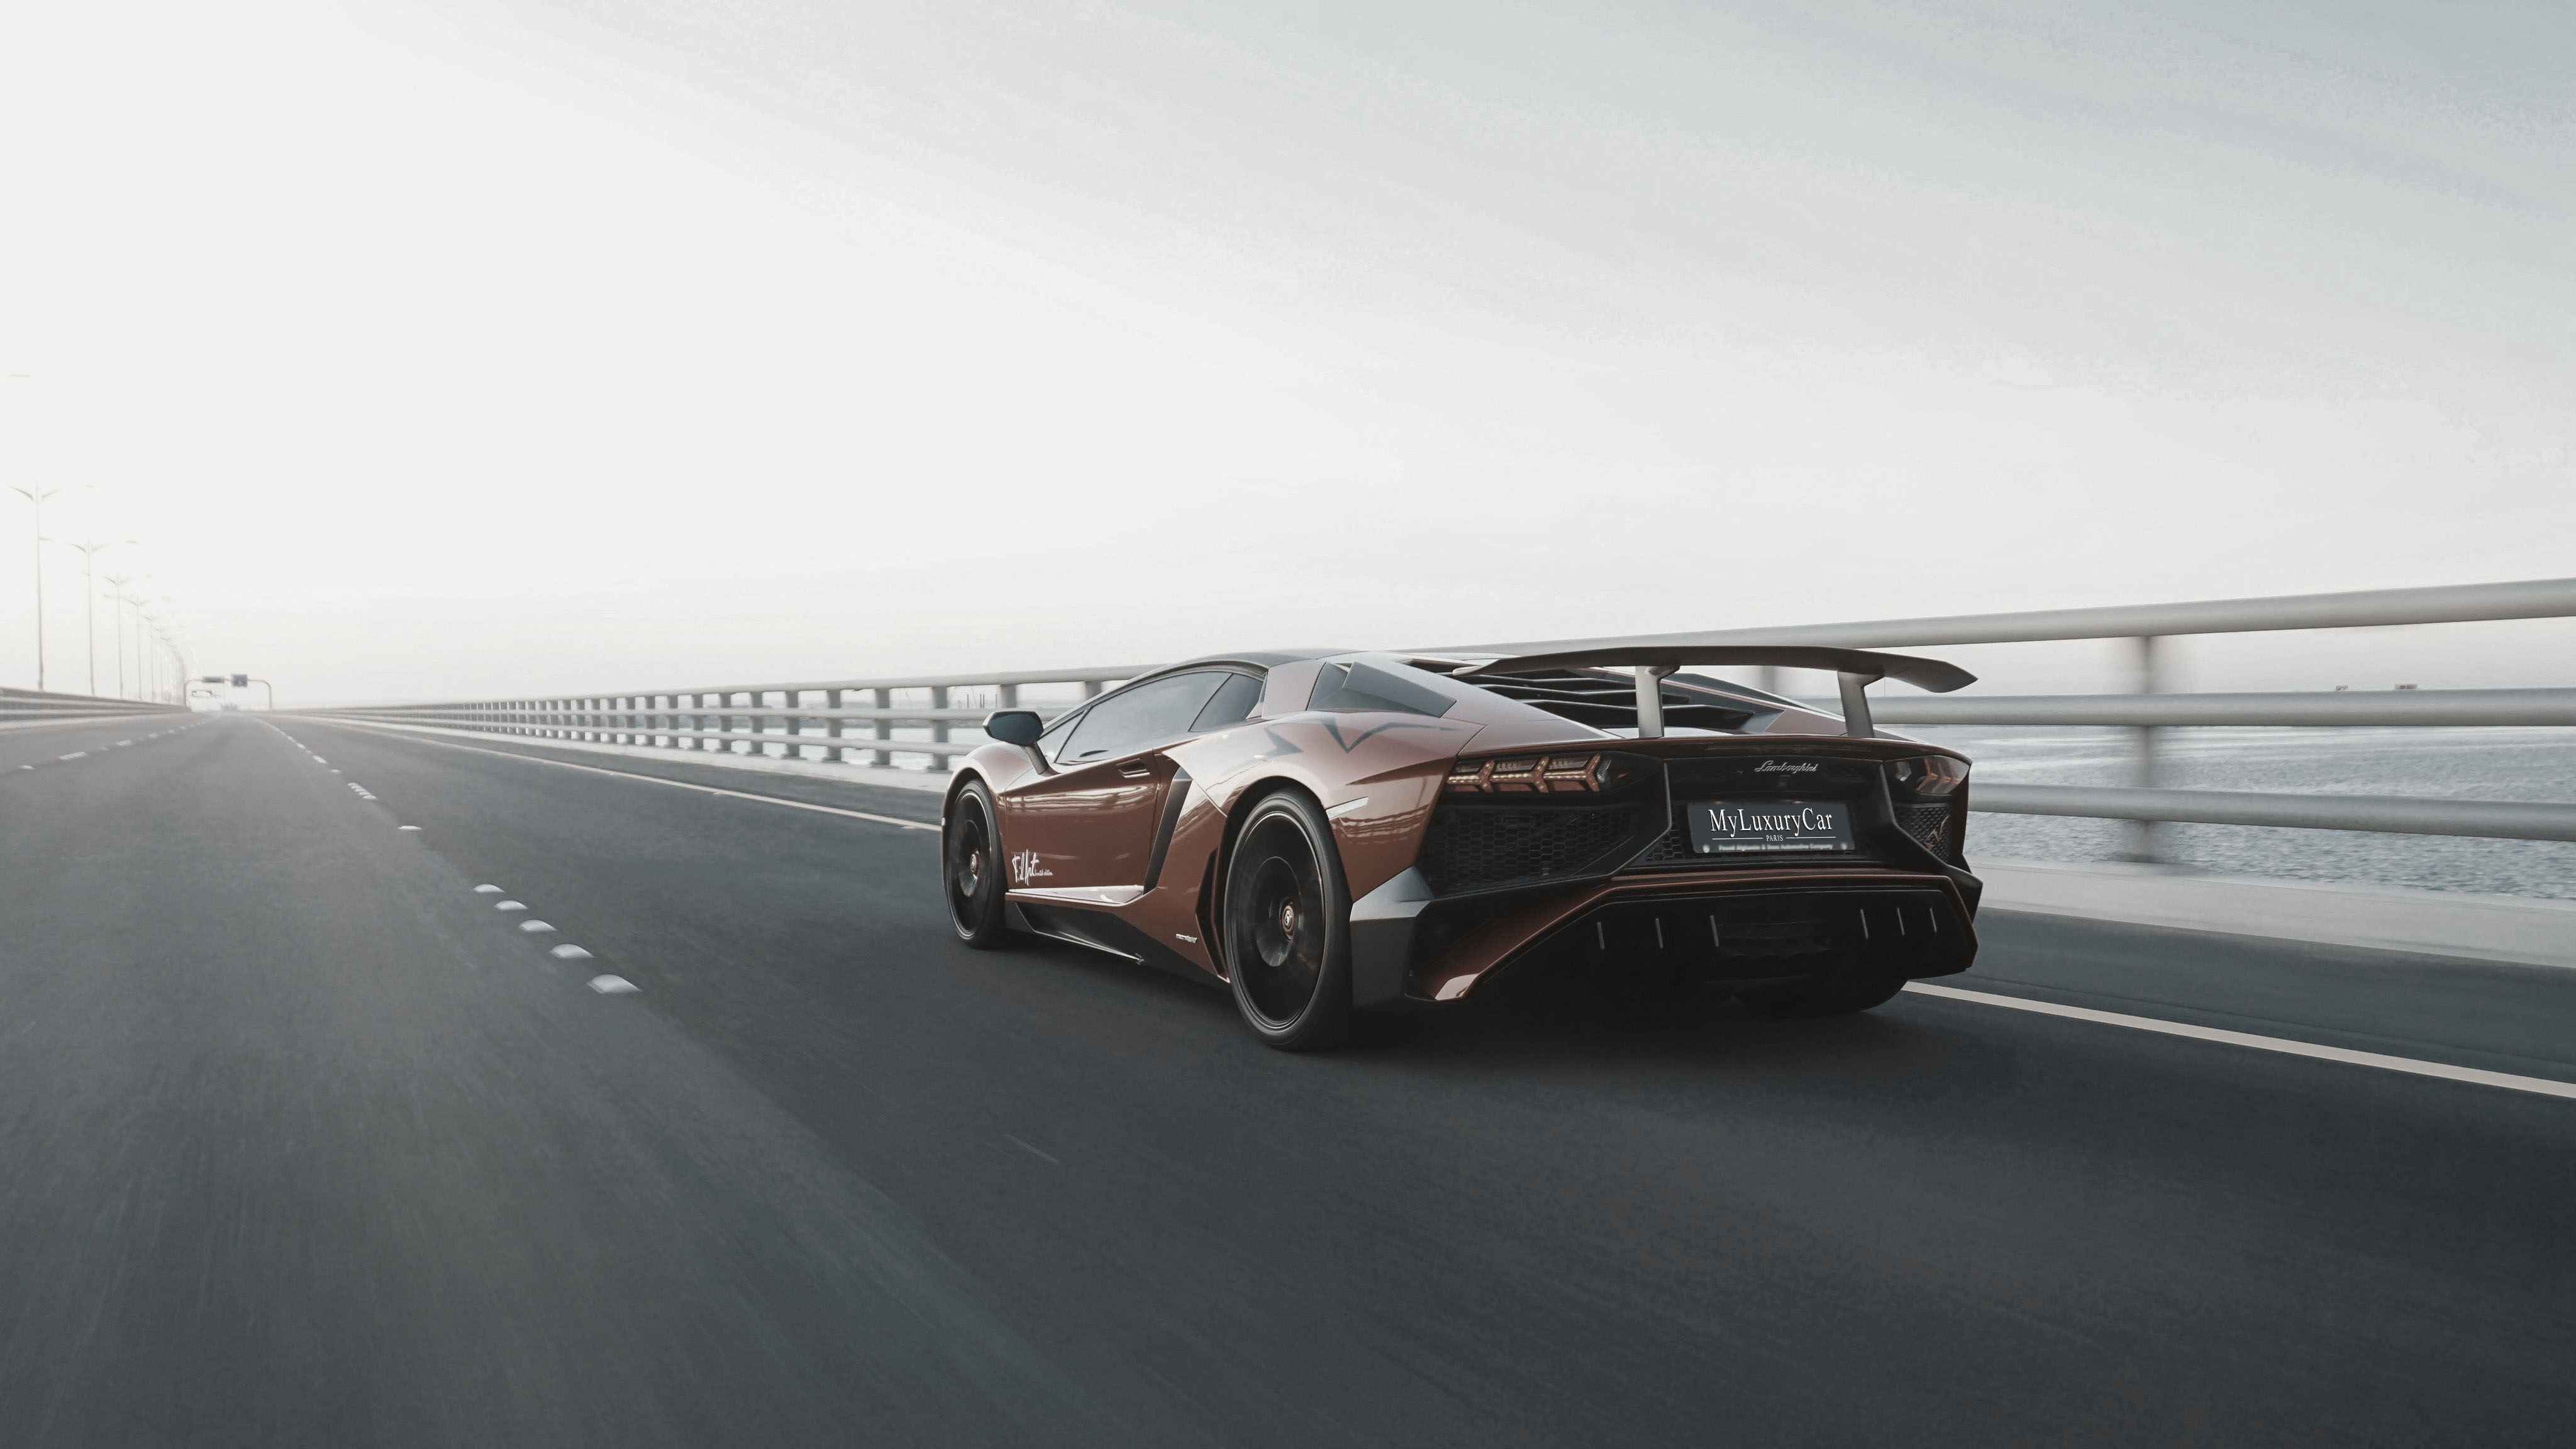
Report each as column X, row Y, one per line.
column 37, row 745
column 305, row 1142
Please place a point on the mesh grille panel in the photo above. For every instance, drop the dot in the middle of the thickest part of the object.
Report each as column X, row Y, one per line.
column 1929, row 825
column 1675, row 845
column 1468, row 849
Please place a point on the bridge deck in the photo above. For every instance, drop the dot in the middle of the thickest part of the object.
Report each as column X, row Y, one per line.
column 306, row 1143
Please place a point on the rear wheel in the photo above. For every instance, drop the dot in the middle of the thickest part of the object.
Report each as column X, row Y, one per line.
column 1287, row 926
column 970, row 868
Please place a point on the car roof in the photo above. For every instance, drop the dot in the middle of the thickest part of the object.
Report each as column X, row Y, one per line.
column 1256, row 658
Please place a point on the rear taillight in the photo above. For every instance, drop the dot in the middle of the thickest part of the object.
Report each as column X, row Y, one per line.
column 1931, row 776
column 1535, row 775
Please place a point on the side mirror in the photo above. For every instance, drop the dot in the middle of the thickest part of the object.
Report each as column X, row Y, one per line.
column 1015, row 726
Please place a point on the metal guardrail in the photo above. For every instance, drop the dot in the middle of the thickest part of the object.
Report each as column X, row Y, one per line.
column 2310, row 709
column 720, row 718
column 2374, row 608
column 737, row 717
column 30, row 705
column 2392, row 814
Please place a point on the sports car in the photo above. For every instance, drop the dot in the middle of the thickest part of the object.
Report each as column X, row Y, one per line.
column 1338, row 837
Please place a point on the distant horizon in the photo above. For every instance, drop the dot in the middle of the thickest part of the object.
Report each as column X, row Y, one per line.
column 477, row 348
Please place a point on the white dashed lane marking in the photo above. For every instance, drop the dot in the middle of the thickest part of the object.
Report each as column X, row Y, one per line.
column 604, row 985
column 1031, row 1151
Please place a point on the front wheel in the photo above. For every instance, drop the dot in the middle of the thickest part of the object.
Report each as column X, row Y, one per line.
column 970, row 868
column 1287, row 926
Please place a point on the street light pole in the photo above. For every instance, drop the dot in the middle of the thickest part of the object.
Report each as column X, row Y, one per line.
column 89, row 577
column 146, row 625
column 119, row 584
column 37, row 497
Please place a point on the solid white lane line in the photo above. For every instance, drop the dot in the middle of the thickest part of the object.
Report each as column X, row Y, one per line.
column 675, row 784
column 2541, row 1086
column 612, row 985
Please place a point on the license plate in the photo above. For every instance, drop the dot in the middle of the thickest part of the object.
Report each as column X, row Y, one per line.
column 1770, row 827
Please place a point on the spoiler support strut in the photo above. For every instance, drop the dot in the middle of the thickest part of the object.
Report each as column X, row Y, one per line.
column 1650, row 699
column 1856, row 721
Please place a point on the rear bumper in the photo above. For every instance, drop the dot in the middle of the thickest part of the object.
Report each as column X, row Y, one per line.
column 1410, row 950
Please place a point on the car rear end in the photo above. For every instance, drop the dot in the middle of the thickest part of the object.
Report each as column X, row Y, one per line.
column 1758, row 865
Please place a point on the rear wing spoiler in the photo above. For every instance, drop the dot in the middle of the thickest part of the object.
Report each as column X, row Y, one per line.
column 1857, row 669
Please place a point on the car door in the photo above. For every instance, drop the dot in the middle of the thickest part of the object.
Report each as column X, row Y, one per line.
column 1086, row 832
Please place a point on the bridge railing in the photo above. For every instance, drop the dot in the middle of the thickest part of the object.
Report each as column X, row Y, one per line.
column 2147, row 711
column 790, row 718
column 859, row 717
column 28, row 705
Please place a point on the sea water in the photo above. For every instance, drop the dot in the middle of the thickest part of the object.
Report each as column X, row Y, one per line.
column 2447, row 764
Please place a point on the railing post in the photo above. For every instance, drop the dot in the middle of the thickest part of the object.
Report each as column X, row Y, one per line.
column 885, row 729
column 1091, row 689
column 794, row 700
column 832, row 702
column 938, row 727
column 2143, row 844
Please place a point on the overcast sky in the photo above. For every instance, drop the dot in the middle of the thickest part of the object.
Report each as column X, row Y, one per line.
column 449, row 349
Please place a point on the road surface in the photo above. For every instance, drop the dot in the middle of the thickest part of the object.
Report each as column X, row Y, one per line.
column 308, row 1142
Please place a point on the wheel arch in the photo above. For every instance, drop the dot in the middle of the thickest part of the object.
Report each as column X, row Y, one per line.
column 957, row 783
column 1246, row 800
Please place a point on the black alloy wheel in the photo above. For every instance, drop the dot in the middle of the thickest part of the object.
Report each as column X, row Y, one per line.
column 970, row 868
column 1287, row 926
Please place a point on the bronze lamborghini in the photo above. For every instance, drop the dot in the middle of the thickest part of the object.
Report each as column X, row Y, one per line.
column 1338, row 836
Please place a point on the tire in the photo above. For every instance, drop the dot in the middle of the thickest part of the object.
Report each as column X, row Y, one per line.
column 1845, row 997
column 970, row 868
column 1287, row 927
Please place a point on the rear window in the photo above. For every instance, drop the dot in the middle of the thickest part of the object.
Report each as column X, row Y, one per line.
column 1234, row 703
